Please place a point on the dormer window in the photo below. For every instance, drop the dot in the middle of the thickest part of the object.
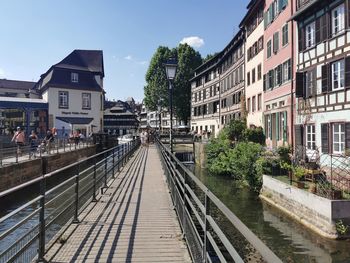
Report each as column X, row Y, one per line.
column 75, row 77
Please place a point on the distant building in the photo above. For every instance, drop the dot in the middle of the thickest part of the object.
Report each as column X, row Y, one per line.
column 74, row 91
column 218, row 88
column 120, row 118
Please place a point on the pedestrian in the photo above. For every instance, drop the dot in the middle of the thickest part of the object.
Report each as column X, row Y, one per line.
column 146, row 138
column 49, row 139
column 33, row 138
column 19, row 139
column 142, row 138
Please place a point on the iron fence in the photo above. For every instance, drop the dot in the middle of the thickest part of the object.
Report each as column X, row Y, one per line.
column 204, row 219
column 10, row 155
column 30, row 230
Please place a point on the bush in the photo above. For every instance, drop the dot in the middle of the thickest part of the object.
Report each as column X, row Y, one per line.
column 255, row 135
column 236, row 130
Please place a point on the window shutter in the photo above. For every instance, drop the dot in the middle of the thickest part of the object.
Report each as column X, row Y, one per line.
column 277, row 127
column 325, row 137
column 347, row 136
column 301, row 39
column 280, row 5
column 314, row 83
column 265, row 20
column 264, row 82
column 285, row 126
column 347, row 72
column 325, row 73
column 299, row 89
column 270, row 128
column 318, row 30
column 324, row 27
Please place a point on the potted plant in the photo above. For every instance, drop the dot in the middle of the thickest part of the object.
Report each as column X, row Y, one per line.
column 299, row 173
column 287, row 167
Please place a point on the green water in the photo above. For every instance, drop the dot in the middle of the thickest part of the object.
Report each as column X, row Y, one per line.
column 290, row 241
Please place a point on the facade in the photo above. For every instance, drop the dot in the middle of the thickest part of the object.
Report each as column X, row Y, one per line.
column 21, row 106
column 74, row 91
column 278, row 72
column 119, row 118
column 322, row 78
column 253, row 26
column 218, row 88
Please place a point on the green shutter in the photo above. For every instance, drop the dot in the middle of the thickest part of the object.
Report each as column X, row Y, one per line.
column 285, row 126
column 270, row 127
column 277, row 127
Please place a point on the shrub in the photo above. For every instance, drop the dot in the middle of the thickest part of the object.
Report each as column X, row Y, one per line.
column 236, row 130
column 255, row 135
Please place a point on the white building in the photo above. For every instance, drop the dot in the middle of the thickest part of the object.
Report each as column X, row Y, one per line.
column 74, row 91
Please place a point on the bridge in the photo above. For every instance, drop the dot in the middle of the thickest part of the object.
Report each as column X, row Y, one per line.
column 126, row 204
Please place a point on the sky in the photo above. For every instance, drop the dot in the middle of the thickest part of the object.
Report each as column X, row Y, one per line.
column 35, row 34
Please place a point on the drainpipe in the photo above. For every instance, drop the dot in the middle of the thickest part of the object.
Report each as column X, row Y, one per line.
column 292, row 83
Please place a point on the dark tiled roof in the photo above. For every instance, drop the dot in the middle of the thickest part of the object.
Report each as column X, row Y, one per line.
column 91, row 60
column 75, row 120
column 16, row 84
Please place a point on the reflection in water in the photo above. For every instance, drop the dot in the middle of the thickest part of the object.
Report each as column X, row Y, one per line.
column 291, row 241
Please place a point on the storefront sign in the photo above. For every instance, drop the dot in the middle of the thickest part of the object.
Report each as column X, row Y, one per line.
column 74, row 113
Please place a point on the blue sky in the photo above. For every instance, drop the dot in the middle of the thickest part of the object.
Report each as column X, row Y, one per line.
column 39, row 33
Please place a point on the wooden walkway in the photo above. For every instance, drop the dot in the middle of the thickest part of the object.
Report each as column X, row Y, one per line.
column 133, row 221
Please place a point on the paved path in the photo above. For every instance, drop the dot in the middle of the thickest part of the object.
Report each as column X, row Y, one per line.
column 132, row 222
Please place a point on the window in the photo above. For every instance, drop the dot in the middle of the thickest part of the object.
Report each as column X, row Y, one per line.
column 74, row 77
column 259, row 72
column 268, row 52
column 253, row 75
column 63, row 99
column 310, row 35
column 286, row 71
column 310, row 137
column 338, row 138
column 338, row 19
column 338, row 75
column 310, row 82
column 253, row 104
column 259, row 102
column 261, row 43
column 248, row 78
column 248, row 105
column 275, row 42
column 285, row 35
column 86, row 100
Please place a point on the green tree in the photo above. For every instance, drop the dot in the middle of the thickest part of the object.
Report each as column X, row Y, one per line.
column 157, row 84
column 188, row 60
column 209, row 57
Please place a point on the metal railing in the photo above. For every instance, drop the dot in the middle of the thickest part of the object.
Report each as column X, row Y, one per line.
column 60, row 145
column 30, row 230
column 212, row 231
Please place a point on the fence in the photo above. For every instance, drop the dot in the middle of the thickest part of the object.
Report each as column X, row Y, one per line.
column 17, row 154
column 213, row 233
column 27, row 230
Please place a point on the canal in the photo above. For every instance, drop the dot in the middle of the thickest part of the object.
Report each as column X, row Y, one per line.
column 290, row 241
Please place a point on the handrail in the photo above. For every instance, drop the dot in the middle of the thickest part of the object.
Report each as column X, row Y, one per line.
column 34, row 225
column 186, row 191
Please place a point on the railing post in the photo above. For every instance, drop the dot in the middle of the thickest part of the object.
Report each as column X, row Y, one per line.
column 106, row 170
column 17, row 149
column 118, row 152
column 1, row 152
column 184, row 204
column 76, row 210
column 94, row 183
column 205, row 238
column 113, row 152
column 41, row 248
column 64, row 145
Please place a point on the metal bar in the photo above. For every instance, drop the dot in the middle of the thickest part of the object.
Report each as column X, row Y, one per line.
column 41, row 249
column 94, row 183
column 76, row 209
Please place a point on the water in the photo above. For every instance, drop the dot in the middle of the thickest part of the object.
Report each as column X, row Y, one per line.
column 289, row 240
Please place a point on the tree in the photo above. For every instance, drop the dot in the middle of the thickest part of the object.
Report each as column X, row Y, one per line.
column 209, row 57
column 188, row 60
column 157, row 84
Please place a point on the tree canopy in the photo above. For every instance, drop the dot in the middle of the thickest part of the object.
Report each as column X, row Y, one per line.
column 156, row 88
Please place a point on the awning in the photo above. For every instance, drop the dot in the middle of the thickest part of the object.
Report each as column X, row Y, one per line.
column 75, row 120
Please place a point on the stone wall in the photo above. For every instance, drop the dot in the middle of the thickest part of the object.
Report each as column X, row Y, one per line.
column 315, row 212
column 15, row 174
column 200, row 154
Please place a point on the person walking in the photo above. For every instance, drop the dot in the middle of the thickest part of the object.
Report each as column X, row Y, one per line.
column 49, row 139
column 33, row 142
column 19, row 139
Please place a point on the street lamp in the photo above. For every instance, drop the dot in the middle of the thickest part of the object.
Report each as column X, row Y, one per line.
column 170, row 68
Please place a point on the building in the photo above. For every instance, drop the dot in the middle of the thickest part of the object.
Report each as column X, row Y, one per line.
column 278, row 72
column 74, row 91
column 21, row 105
column 119, row 118
column 218, row 88
column 322, row 78
column 253, row 26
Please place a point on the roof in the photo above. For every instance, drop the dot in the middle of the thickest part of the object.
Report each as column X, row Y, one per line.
column 91, row 60
column 16, row 84
column 305, row 8
column 253, row 4
column 75, row 120
column 12, row 102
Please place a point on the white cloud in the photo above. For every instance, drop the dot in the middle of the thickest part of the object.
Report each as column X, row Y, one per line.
column 195, row 42
column 2, row 73
column 128, row 57
column 144, row 62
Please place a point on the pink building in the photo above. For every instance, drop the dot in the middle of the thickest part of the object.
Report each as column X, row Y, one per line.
column 278, row 72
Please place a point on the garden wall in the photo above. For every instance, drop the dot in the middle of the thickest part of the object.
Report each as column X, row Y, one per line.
column 315, row 212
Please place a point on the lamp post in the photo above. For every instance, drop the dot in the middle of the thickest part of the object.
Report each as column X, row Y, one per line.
column 170, row 68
